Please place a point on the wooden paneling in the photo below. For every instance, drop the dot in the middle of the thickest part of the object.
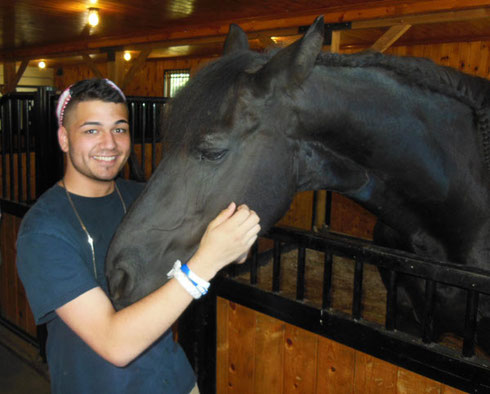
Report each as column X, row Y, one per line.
column 271, row 356
column 147, row 81
column 13, row 303
column 13, row 183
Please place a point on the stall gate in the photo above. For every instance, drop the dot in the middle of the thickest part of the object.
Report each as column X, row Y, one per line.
column 31, row 162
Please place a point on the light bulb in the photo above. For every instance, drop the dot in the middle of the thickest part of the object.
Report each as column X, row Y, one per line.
column 93, row 16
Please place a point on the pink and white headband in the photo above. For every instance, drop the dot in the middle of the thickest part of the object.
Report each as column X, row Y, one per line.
column 65, row 98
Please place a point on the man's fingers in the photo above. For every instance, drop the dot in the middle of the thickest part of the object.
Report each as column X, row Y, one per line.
column 223, row 215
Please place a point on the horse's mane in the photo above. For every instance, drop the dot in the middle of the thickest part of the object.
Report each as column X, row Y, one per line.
column 203, row 97
column 470, row 90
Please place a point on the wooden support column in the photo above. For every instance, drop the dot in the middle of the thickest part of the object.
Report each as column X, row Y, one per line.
column 387, row 39
column 91, row 64
column 115, row 67
column 138, row 63
column 12, row 78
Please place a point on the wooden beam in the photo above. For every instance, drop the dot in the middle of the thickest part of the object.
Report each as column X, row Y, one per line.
column 437, row 17
column 387, row 39
column 138, row 63
column 115, row 67
column 266, row 41
column 12, row 78
column 335, row 45
column 91, row 64
column 374, row 14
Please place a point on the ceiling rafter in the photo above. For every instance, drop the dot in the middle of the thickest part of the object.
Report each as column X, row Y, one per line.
column 373, row 17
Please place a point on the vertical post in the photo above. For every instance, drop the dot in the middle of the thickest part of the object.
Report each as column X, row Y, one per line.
column 49, row 167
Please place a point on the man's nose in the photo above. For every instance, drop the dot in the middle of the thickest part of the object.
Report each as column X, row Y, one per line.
column 108, row 140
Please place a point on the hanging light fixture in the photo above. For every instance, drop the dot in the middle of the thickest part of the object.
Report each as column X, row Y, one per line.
column 127, row 56
column 93, row 16
column 42, row 64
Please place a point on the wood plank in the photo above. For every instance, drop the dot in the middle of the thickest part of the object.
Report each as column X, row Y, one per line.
column 373, row 376
column 350, row 218
column 451, row 390
column 269, row 355
column 336, row 366
column 116, row 67
column 222, row 345
column 300, row 358
column 241, row 337
column 300, row 212
column 390, row 37
column 92, row 66
column 137, row 65
column 13, row 79
column 426, row 18
column 372, row 15
column 409, row 382
column 336, row 38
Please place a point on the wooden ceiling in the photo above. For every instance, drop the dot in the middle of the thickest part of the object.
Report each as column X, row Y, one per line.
column 57, row 30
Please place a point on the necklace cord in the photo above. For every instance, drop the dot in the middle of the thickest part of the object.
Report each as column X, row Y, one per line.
column 90, row 240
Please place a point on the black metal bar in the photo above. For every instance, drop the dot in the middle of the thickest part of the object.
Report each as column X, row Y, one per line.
column 314, row 212
column 433, row 361
column 357, row 298
column 276, row 267
column 470, row 324
column 254, row 263
column 143, row 124
column 154, row 137
column 428, row 322
column 328, row 209
column 4, row 147
column 49, row 158
column 469, row 278
column 391, row 299
column 300, row 278
column 20, row 167
column 27, row 128
column 327, row 280
column 11, row 149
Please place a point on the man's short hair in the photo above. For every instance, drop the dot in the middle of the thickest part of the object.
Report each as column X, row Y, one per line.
column 89, row 90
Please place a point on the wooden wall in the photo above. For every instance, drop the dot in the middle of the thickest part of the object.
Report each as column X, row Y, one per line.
column 148, row 81
column 260, row 354
column 13, row 301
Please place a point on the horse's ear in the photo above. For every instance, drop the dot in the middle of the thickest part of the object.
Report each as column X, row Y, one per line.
column 294, row 63
column 236, row 40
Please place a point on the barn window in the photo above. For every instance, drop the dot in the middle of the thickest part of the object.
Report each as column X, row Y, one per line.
column 174, row 80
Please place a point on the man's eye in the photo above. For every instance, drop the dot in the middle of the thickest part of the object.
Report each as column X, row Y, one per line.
column 120, row 130
column 91, row 131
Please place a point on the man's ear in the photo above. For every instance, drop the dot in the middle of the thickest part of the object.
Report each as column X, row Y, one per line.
column 63, row 138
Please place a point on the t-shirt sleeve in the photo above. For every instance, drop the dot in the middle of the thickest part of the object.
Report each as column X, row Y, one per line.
column 52, row 271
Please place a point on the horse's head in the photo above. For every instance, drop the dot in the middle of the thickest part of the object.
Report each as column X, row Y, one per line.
column 229, row 135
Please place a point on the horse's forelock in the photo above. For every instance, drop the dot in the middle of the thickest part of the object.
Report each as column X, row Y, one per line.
column 197, row 107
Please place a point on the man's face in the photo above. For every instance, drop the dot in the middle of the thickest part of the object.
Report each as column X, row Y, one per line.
column 96, row 139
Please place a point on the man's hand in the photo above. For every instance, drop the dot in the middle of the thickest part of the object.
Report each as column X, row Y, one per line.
column 227, row 238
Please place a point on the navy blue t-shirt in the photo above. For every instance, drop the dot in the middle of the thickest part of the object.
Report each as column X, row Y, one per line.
column 55, row 264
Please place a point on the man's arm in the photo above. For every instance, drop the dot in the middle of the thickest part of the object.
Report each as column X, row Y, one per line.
column 119, row 337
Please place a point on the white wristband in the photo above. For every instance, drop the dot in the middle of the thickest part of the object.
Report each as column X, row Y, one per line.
column 184, row 281
column 200, row 283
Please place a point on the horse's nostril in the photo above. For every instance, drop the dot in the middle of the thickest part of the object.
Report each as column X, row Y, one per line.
column 120, row 284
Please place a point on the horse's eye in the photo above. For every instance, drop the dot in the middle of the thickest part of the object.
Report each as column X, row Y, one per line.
column 213, row 155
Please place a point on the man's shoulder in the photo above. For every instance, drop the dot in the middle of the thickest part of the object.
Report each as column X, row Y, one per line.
column 46, row 214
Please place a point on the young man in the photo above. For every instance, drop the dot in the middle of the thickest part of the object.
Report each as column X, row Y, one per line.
column 61, row 247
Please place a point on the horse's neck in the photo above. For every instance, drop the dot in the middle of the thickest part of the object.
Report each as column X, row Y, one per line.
column 398, row 150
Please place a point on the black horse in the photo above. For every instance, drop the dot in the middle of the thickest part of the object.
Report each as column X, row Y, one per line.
column 405, row 138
